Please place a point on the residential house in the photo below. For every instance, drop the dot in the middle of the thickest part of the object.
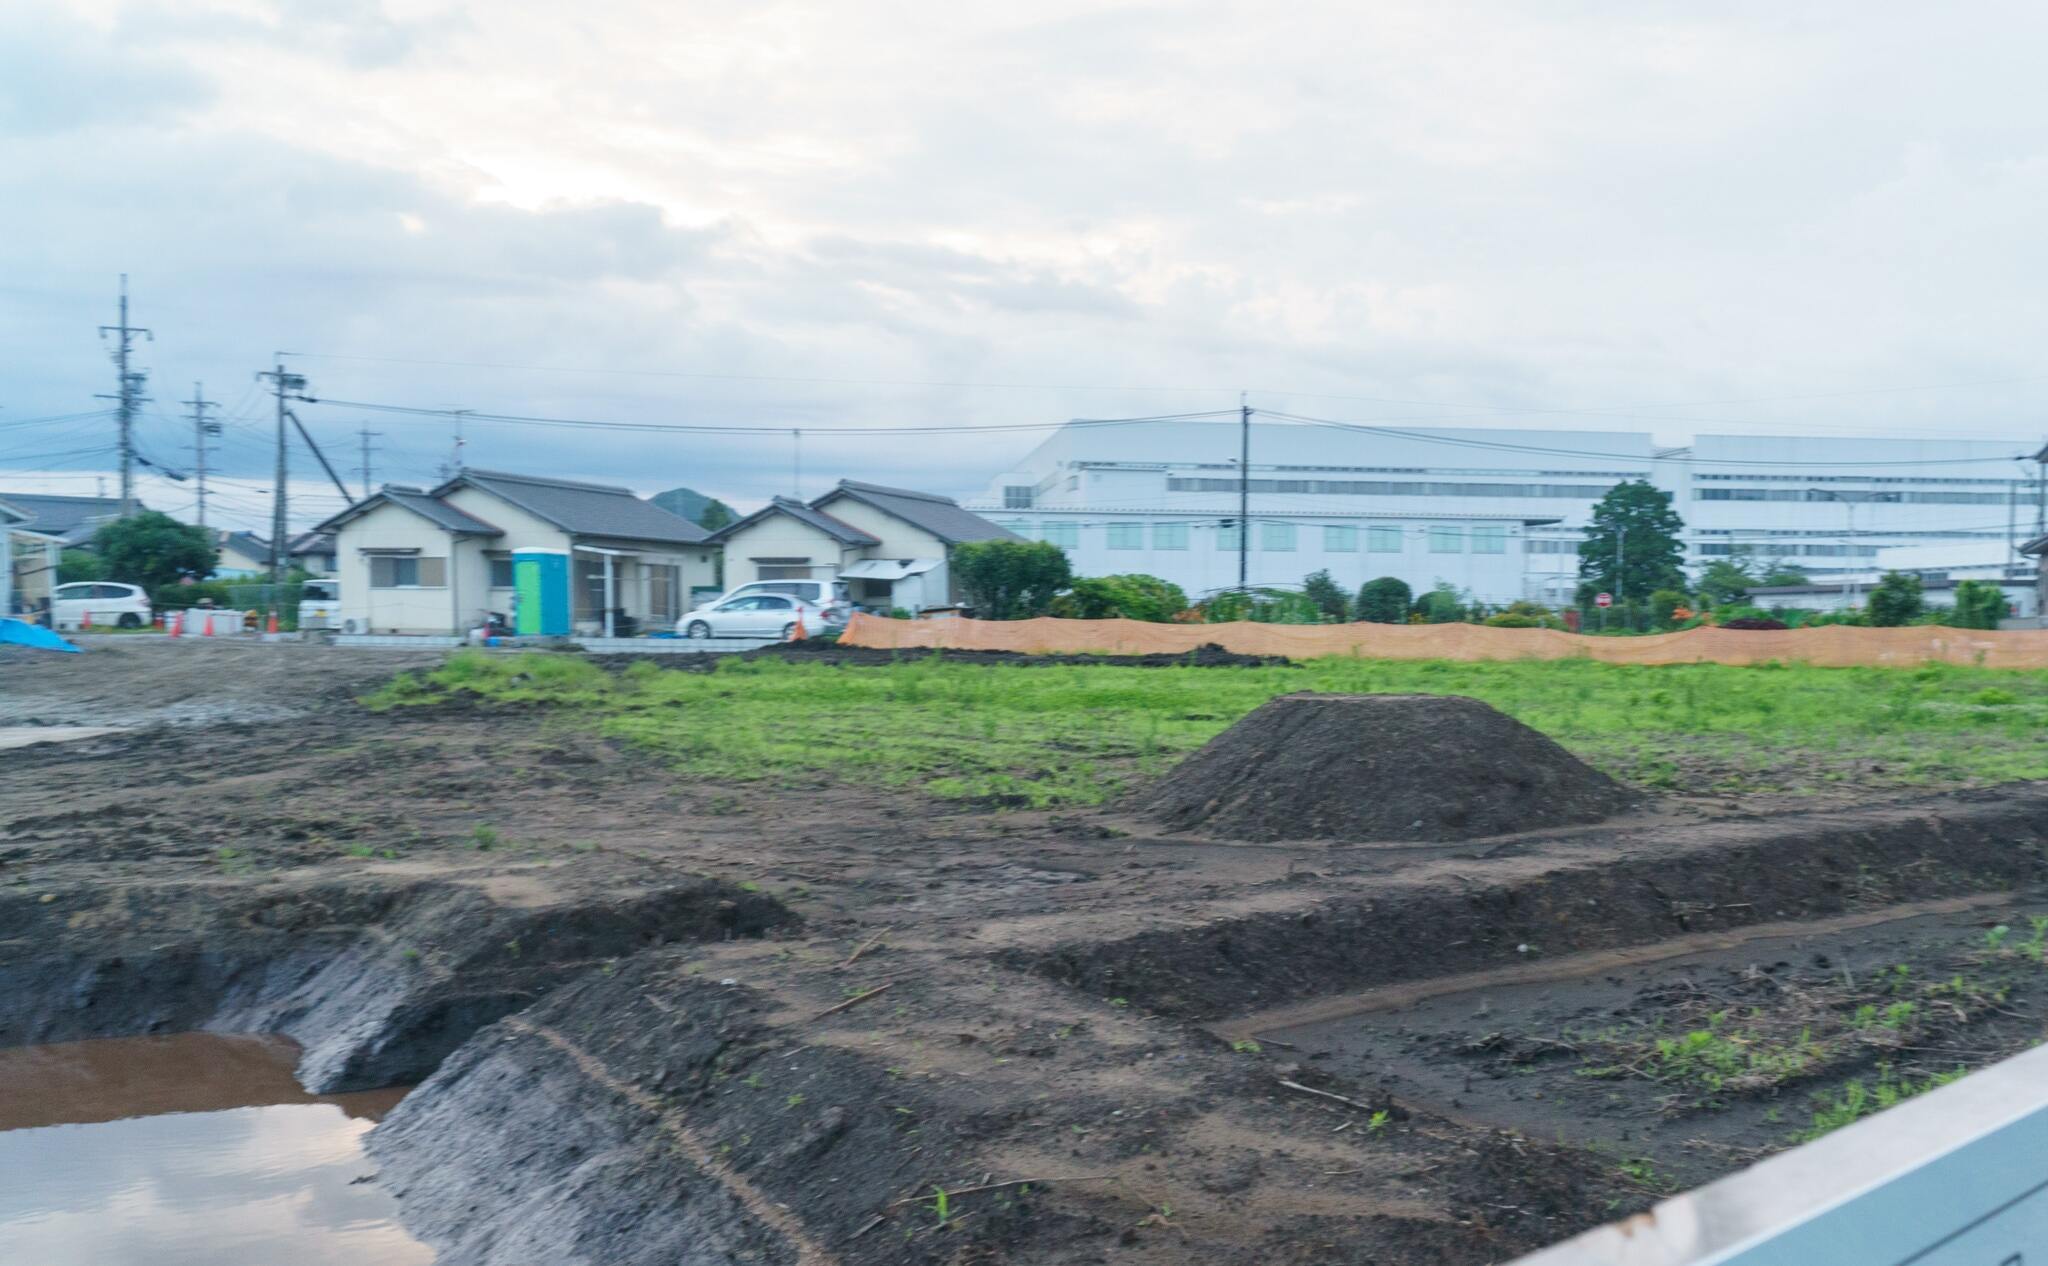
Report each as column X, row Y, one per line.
column 892, row 546
column 556, row 555
column 71, row 520
column 313, row 553
column 240, row 556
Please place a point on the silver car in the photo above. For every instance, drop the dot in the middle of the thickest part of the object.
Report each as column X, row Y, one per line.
column 760, row 615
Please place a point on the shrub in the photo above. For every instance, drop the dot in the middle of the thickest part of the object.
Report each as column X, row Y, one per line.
column 1384, row 601
column 1663, row 603
column 1897, row 600
column 1329, row 599
column 1011, row 580
column 1133, row 597
column 1979, row 605
column 1441, row 605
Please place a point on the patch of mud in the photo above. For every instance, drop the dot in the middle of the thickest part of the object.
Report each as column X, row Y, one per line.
column 377, row 978
column 1360, row 768
column 1682, row 1069
column 813, row 651
column 1637, row 889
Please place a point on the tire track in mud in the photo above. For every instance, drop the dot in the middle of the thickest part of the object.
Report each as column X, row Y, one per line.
column 808, row 1251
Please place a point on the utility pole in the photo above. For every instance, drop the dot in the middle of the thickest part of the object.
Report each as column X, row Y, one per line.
column 796, row 464
column 282, row 385
column 2041, row 491
column 364, row 470
column 1244, row 494
column 129, row 383
column 201, row 428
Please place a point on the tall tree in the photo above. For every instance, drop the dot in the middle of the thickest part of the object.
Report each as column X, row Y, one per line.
column 1632, row 546
column 153, row 549
column 1332, row 601
column 1898, row 599
column 1011, row 580
column 1726, row 580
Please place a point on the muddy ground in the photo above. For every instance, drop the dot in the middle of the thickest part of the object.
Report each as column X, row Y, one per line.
column 659, row 1017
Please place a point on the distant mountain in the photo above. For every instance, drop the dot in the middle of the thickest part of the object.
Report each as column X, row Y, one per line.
column 708, row 513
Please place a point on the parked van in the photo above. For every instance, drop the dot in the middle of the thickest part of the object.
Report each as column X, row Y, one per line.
column 320, row 605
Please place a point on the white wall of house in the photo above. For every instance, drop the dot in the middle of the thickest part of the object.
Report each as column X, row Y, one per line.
column 419, row 609
column 898, row 539
column 779, row 536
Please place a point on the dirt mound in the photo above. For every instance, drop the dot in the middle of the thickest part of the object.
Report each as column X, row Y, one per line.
column 1380, row 767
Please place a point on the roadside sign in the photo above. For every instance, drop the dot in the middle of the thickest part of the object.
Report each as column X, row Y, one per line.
column 1603, row 600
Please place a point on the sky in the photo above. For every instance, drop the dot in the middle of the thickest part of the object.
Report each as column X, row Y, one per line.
column 1752, row 217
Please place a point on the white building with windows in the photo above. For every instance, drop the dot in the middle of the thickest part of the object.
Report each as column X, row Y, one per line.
column 1498, row 513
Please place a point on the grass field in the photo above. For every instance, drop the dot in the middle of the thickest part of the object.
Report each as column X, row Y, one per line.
column 1042, row 736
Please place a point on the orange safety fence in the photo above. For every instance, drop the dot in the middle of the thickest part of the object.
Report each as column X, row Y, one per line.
column 1828, row 646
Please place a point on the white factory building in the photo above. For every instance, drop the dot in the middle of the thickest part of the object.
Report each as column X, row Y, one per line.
column 1495, row 512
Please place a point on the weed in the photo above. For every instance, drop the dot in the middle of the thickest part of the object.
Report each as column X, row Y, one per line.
column 1376, row 1122
column 1119, row 1002
column 751, row 1081
column 2036, row 944
column 793, row 1101
column 485, row 837
column 1854, row 1100
column 1996, row 937
column 941, row 1206
column 359, row 850
column 1245, row 1046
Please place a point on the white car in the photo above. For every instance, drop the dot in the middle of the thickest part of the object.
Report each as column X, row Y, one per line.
column 831, row 597
column 102, row 602
column 753, row 615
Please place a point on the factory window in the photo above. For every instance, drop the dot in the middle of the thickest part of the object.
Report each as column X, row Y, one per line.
column 1383, row 540
column 1064, row 535
column 1169, row 536
column 1489, row 540
column 1446, row 540
column 1228, row 539
column 1017, row 497
column 1127, row 536
column 1278, row 537
column 1340, row 540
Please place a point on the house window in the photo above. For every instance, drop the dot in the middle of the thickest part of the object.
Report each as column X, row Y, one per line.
column 1229, row 538
column 393, row 571
column 1446, row 540
column 1340, row 540
column 501, row 571
column 1489, row 540
column 1383, row 540
column 1017, row 497
column 1169, row 536
column 1276, row 536
column 1127, row 536
column 1064, row 535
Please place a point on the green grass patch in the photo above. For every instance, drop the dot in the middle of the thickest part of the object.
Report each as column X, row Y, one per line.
column 1077, row 734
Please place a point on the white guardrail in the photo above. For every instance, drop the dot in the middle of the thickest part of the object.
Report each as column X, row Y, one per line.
column 1954, row 1177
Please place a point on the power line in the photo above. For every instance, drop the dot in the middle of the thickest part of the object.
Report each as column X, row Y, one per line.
column 735, row 428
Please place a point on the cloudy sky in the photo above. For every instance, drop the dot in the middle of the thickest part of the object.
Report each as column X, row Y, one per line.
column 1672, row 217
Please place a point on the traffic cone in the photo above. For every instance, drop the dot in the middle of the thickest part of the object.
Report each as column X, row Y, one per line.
column 174, row 624
column 272, row 627
column 209, row 624
column 797, row 634
column 85, row 622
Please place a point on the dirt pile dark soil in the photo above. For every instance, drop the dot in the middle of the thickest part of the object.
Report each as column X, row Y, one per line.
column 1380, row 767
column 1207, row 655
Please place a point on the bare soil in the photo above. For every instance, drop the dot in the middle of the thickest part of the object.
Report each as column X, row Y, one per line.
column 672, row 1018
column 1361, row 768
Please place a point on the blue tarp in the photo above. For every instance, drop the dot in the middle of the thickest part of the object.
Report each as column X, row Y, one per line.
column 22, row 633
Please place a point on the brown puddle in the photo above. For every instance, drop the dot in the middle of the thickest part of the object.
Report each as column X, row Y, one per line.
column 194, row 1149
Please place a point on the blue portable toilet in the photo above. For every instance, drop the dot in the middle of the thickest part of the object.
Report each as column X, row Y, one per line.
column 540, row 581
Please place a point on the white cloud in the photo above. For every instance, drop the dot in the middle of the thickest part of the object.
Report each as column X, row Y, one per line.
column 1519, row 207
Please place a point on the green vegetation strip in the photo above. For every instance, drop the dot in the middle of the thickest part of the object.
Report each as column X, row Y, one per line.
column 1077, row 734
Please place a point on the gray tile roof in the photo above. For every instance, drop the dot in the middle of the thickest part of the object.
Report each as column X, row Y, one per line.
column 941, row 516
column 844, row 533
column 439, row 513
column 248, row 543
column 601, row 510
column 73, row 518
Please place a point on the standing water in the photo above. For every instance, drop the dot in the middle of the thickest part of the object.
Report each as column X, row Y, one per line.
column 189, row 1150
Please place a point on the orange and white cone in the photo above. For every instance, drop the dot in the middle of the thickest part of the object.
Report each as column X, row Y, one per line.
column 85, row 622
column 272, row 628
column 174, row 623
column 209, row 624
column 797, row 634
